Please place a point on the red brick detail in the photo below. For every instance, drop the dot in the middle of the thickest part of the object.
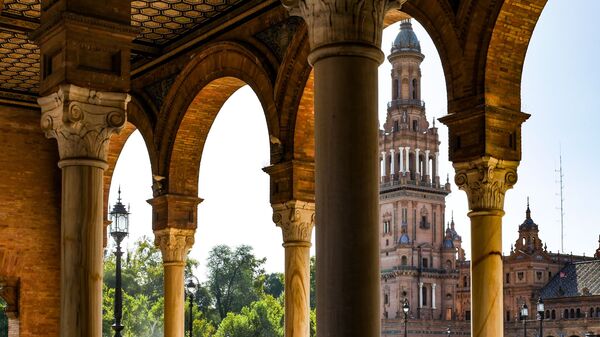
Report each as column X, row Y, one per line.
column 506, row 52
column 174, row 211
column 194, row 101
column 30, row 219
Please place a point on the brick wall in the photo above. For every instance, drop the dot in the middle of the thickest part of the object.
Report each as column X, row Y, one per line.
column 30, row 219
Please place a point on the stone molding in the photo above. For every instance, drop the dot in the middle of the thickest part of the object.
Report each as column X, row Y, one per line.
column 338, row 21
column 174, row 243
column 485, row 181
column 296, row 220
column 82, row 120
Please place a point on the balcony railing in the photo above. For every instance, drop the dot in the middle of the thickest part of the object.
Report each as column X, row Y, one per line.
column 399, row 102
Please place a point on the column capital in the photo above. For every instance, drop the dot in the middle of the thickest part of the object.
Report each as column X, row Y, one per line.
column 296, row 219
column 485, row 180
column 82, row 120
column 174, row 243
column 352, row 27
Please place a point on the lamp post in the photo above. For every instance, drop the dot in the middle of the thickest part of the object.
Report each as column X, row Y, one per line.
column 448, row 331
column 191, row 287
column 119, row 228
column 540, row 310
column 405, row 309
column 524, row 315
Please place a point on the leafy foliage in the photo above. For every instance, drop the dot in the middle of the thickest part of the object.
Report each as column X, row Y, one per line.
column 237, row 300
column 3, row 320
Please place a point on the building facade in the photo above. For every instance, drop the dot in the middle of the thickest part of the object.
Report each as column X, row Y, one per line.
column 422, row 261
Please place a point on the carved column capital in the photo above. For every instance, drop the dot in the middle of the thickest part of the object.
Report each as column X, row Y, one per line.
column 82, row 120
column 296, row 219
column 341, row 21
column 485, row 181
column 174, row 243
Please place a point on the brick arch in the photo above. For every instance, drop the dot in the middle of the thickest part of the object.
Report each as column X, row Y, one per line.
column 193, row 102
column 136, row 120
column 510, row 38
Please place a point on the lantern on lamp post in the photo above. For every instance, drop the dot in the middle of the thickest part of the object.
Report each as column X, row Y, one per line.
column 119, row 229
column 540, row 310
column 405, row 309
column 524, row 315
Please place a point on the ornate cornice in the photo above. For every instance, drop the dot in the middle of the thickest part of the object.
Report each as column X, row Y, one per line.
column 335, row 21
column 485, row 181
column 174, row 243
column 296, row 219
column 82, row 120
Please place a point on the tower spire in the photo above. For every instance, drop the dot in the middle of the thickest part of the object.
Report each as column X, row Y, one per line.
column 528, row 212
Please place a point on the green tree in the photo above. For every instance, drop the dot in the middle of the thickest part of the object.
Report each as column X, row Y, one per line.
column 231, row 278
column 273, row 284
column 3, row 319
column 263, row 318
column 313, row 282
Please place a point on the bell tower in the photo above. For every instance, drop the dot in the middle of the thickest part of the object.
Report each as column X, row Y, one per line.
column 418, row 257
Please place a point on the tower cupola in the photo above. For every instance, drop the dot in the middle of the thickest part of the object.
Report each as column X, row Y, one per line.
column 406, row 40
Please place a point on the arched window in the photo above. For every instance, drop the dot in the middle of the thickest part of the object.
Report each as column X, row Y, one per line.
column 395, row 89
column 566, row 314
column 415, row 89
column 424, row 295
column 591, row 312
column 572, row 313
column 464, row 281
column 404, row 261
column 553, row 314
column 578, row 313
column 547, row 314
column 597, row 311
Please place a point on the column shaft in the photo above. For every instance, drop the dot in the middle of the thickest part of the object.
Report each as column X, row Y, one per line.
column 82, row 248
column 433, row 286
column 417, row 168
column 407, row 160
column 174, row 299
column 401, row 156
column 486, row 275
column 296, row 220
column 174, row 244
column 392, row 161
column 383, row 168
column 347, row 195
column 297, row 290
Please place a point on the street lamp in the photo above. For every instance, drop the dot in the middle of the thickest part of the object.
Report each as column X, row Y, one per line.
column 191, row 287
column 524, row 315
column 540, row 309
column 448, row 331
column 405, row 309
column 119, row 228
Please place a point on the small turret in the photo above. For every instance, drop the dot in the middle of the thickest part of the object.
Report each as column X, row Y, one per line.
column 597, row 255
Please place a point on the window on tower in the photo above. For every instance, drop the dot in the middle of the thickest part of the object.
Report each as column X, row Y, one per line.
column 424, row 295
column 415, row 89
column 415, row 125
column 396, row 126
column 404, row 261
column 395, row 89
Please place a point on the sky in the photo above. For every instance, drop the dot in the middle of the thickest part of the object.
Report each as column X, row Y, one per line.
column 560, row 89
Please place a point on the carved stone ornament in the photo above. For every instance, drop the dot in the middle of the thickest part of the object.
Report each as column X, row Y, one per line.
column 334, row 21
column 485, row 181
column 174, row 243
column 296, row 219
column 82, row 120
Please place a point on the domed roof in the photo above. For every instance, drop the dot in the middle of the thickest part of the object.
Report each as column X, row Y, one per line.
column 448, row 243
column 406, row 40
column 528, row 223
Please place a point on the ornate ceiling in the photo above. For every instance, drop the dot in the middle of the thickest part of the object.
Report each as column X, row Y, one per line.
column 161, row 23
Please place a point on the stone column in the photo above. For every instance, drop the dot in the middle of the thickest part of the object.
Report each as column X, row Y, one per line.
column 417, row 168
column 174, row 244
column 383, row 168
column 433, row 295
column 407, row 159
column 436, row 164
column 420, row 295
column 296, row 220
column 485, row 181
column 401, row 156
column 427, row 170
column 392, row 160
column 345, row 39
column 82, row 121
